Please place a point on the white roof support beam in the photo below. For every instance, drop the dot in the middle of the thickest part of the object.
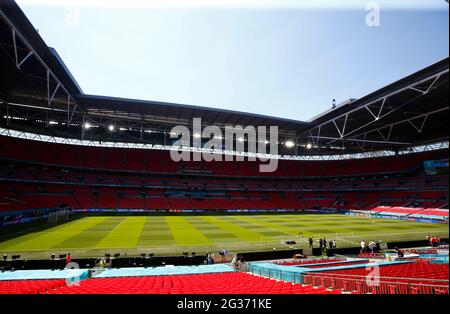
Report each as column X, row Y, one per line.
column 409, row 120
column 31, row 52
column 378, row 113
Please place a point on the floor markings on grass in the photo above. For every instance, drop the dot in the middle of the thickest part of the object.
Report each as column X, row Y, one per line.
column 338, row 239
column 236, row 230
column 156, row 232
column 269, row 225
column 119, row 224
column 213, row 232
column 184, row 233
column 90, row 237
column 51, row 237
column 125, row 234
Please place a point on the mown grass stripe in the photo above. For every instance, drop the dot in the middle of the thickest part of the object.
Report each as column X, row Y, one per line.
column 244, row 234
column 156, row 232
column 269, row 225
column 184, row 233
column 125, row 234
column 51, row 237
column 201, row 235
column 89, row 237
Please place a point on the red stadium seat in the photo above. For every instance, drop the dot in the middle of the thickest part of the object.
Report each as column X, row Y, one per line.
column 222, row 283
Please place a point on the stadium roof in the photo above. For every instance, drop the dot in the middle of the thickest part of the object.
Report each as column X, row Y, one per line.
column 38, row 94
column 178, row 114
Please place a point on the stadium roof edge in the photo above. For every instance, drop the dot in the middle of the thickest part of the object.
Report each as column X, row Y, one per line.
column 57, row 65
column 401, row 83
column 19, row 20
column 66, row 69
column 107, row 102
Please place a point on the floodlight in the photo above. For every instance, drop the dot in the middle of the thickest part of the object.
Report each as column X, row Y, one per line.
column 289, row 144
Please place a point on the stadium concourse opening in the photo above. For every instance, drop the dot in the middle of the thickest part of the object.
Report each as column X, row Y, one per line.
column 92, row 202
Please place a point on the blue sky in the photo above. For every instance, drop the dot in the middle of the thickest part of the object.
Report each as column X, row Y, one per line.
column 287, row 61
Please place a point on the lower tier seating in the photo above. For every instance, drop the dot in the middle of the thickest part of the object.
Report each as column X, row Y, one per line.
column 394, row 279
column 411, row 278
column 417, row 211
column 223, row 283
column 29, row 286
column 418, row 271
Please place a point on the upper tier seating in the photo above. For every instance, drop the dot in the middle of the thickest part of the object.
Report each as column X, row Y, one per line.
column 430, row 189
column 156, row 161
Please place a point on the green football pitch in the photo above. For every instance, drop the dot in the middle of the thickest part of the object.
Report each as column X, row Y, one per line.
column 170, row 235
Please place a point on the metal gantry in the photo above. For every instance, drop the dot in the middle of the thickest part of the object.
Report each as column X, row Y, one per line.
column 375, row 108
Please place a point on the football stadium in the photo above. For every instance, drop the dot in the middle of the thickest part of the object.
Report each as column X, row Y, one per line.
column 106, row 195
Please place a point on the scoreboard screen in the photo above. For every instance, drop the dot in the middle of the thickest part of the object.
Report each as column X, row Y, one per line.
column 435, row 167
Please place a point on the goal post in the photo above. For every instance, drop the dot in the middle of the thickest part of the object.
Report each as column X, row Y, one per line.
column 58, row 216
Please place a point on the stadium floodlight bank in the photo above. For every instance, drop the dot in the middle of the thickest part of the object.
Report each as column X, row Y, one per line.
column 362, row 155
